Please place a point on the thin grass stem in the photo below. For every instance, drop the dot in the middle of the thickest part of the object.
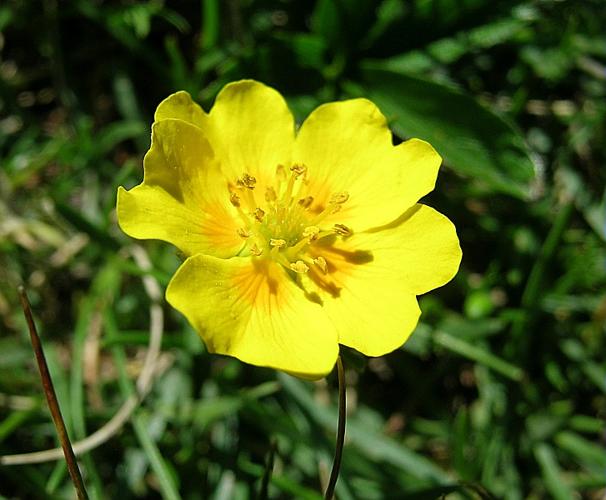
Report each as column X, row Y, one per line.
column 51, row 398
column 151, row 369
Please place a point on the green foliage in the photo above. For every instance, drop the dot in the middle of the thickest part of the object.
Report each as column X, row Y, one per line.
column 501, row 391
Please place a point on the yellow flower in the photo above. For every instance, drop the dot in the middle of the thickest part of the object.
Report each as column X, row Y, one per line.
column 296, row 242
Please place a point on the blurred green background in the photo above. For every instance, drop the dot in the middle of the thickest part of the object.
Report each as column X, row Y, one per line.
column 500, row 393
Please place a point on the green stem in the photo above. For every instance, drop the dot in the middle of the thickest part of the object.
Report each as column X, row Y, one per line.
column 336, row 465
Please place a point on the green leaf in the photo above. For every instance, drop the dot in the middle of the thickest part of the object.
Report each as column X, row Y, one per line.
column 591, row 455
column 552, row 474
column 165, row 474
column 117, row 132
column 6, row 16
column 210, row 410
column 374, row 445
column 163, row 470
column 284, row 483
column 594, row 372
column 474, row 141
column 14, row 420
column 478, row 354
column 210, row 24
column 83, row 224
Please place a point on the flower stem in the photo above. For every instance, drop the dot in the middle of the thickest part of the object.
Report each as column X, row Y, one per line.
column 336, row 465
column 51, row 398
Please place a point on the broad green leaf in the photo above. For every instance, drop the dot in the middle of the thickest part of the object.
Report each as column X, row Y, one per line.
column 474, row 141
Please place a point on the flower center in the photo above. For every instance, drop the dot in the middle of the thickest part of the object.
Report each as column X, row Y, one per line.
column 283, row 223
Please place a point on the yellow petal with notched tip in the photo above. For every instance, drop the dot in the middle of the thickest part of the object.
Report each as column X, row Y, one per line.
column 252, row 130
column 347, row 148
column 181, row 106
column 252, row 309
column 183, row 198
column 368, row 283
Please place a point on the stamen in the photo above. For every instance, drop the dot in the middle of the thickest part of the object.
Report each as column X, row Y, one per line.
column 255, row 250
column 277, row 243
column 294, row 250
column 234, row 199
column 243, row 233
column 247, row 181
column 270, row 195
column 281, row 173
column 339, row 198
column 334, row 205
column 311, row 232
column 298, row 170
column 342, row 230
column 299, row 267
column 259, row 213
column 321, row 263
column 306, row 202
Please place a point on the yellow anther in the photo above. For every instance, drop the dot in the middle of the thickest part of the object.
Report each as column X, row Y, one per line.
column 247, row 181
column 277, row 243
column 299, row 267
column 311, row 232
column 339, row 198
column 321, row 263
column 281, row 173
column 255, row 250
column 234, row 199
column 270, row 195
column 306, row 202
column 243, row 233
column 259, row 213
column 342, row 230
column 298, row 170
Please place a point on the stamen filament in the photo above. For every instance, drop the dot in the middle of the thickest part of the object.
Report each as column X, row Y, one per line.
column 295, row 249
column 249, row 198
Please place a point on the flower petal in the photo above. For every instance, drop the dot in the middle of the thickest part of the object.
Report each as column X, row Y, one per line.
column 184, row 197
column 372, row 310
column 181, row 106
column 371, row 278
column 252, row 130
column 347, row 147
column 389, row 318
column 421, row 248
column 252, row 310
